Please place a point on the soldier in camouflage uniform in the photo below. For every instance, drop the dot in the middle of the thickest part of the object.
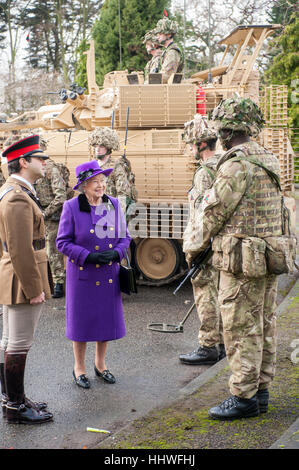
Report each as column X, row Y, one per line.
column 2, row 179
column 53, row 191
column 202, row 140
column 121, row 182
column 172, row 57
column 242, row 213
column 152, row 46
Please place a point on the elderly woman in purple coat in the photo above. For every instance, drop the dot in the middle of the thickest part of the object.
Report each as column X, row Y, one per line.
column 93, row 235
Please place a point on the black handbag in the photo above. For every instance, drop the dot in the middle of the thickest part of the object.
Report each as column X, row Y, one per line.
column 127, row 279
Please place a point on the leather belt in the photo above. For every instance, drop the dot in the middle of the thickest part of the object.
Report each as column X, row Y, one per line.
column 37, row 244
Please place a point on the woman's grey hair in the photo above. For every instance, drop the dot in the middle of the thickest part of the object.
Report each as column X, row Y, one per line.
column 82, row 186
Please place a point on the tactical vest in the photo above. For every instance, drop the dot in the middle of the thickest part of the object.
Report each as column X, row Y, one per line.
column 175, row 47
column 259, row 213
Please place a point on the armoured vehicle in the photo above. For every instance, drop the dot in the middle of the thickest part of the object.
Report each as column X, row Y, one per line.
column 157, row 113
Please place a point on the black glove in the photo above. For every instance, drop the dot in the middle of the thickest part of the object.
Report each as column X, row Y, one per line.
column 106, row 256
column 102, row 258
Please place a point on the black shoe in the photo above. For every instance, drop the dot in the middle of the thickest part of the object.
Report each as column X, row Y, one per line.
column 222, row 352
column 201, row 356
column 24, row 414
column 235, row 408
column 82, row 380
column 263, row 399
column 58, row 291
column 105, row 375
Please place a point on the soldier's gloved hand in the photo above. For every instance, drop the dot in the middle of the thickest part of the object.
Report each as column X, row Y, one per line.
column 106, row 256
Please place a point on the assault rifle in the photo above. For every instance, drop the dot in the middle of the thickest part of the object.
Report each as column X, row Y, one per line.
column 197, row 265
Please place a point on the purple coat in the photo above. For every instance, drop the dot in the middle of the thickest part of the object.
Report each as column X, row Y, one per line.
column 94, row 310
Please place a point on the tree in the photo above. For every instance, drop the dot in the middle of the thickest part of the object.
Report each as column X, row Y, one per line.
column 285, row 66
column 56, row 29
column 118, row 44
column 202, row 48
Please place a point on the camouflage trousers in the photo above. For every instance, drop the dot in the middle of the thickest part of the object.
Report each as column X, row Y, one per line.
column 56, row 258
column 249, row 328
column 205, row 290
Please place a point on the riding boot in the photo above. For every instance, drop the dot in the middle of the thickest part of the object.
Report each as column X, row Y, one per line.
column 4, row 396
column 18, row 410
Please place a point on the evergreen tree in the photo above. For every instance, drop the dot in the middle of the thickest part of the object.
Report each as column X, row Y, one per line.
column 285, row 66
column 122, row 48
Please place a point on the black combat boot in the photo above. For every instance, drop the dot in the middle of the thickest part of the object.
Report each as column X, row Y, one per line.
column 201, row 356
column 263, row 399
column 222, row 352
column 235, row 408
column 18, row 408
column 58, row 291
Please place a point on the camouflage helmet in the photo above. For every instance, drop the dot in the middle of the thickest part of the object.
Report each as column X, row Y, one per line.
column 104, row 136
column 199, row 130
column 166, row 26
column 238, row 114
column 151, row 37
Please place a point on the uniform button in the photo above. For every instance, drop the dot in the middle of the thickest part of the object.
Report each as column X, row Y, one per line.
column 72, row 260
column 110, row 281
column 110, row 263
column 111, row 228
column 91, row 230
column 98, row 283
column 97, row 247
column 110, row 246
column 97, row 265
column 81, row 269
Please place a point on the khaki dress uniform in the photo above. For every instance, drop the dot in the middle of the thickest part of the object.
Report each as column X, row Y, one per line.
column 24, row 264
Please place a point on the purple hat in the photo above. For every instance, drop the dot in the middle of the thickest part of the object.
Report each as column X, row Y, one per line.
column 88, row 170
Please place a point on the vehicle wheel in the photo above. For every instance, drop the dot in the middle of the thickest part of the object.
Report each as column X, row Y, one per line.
column 157, row 258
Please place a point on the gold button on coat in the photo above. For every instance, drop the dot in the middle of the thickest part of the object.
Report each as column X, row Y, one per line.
column 97, row 247
column 110, row 263
column 81, row 269
column 97, row 265
column 110, row 246
column 110, row 281
column 91, row 230
column 98, row 283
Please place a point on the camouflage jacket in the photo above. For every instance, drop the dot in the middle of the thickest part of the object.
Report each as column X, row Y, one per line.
column 51, row 191
column 202, row 180
column 244, row 201
column 121, row 182
column 171, row 61
column 153, row 66
column 2, row 179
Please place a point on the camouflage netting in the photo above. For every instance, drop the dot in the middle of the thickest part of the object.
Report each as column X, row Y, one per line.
column 104, row 136
column 166, row 26
column 238, row 114
column 198, row 130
